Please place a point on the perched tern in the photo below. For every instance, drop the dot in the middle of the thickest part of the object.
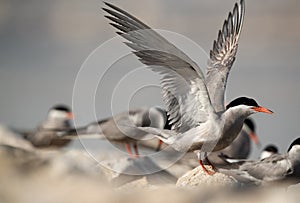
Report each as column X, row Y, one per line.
column 47, row 133
column 121, row 128
column 272, row 168
column 195, row 103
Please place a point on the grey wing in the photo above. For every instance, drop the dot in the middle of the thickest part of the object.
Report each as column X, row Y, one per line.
column 272, row 168
column 180, row 75
column 222, row 56
column 241, row 176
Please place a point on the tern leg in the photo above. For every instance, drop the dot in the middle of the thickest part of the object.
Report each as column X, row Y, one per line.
column 212, row 166
column 136, row 151
column 159, row 145
column 128, row 149
column 202, row 165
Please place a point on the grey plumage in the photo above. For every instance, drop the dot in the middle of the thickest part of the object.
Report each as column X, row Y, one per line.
column 198, row 117
column 222, row 56
column 240, row 148
column 273, row 168
column 47, row 133
column 122, row 127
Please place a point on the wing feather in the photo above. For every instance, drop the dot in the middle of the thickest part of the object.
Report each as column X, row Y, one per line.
column 222, row 56
column 183, row 85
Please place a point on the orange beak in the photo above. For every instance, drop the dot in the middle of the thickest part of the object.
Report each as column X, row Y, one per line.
column 262, row 109
column 254, row 138
column 70, row 115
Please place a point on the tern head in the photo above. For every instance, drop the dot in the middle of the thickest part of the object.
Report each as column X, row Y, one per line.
column 247, row 106
column 268, row 151
column 271, row 148
column 60, row 112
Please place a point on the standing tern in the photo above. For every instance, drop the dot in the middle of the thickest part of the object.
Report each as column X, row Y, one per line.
column 273, row 168
column 122, row 127
column 47, row 133
column 195, row 104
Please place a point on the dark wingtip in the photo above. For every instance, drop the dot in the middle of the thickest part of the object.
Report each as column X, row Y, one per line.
column 108, row 4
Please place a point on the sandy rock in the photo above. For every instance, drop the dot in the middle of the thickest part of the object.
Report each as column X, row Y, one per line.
column 197, row 177
column 141, row 183
column 8, row 137
column 126, row 170
column 52, row 163
column 76, row 162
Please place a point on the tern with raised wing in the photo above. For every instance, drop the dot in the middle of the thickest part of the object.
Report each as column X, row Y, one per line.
column 195, row 103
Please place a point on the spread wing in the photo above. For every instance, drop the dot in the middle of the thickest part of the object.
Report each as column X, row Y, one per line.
column 223, row 54
column 187, row 95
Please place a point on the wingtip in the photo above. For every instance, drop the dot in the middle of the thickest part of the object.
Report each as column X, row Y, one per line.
column 105, row 9
column 242, row 3
column 107, row 4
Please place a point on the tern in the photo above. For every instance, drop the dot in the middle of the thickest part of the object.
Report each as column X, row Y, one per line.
column 268, row 151
column 195, row 103
column 122, row 127
column 58, row 120
column 273, row 168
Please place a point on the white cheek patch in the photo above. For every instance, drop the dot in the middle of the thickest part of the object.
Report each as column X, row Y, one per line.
column 265, row 154
column 57, row 114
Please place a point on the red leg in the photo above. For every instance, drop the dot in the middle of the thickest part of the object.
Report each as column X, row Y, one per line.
column 205, row 169
column 135, row 147
column 159, row 145
column 128, row 149
column 212, row 166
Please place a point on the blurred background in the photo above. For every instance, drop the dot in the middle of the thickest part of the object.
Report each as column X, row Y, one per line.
column 44, row 44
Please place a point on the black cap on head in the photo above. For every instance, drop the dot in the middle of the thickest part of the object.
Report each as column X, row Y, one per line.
column 250, row 123
column 295, row 142
column 242, row 101
column 61, row 107
column 271, row 148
